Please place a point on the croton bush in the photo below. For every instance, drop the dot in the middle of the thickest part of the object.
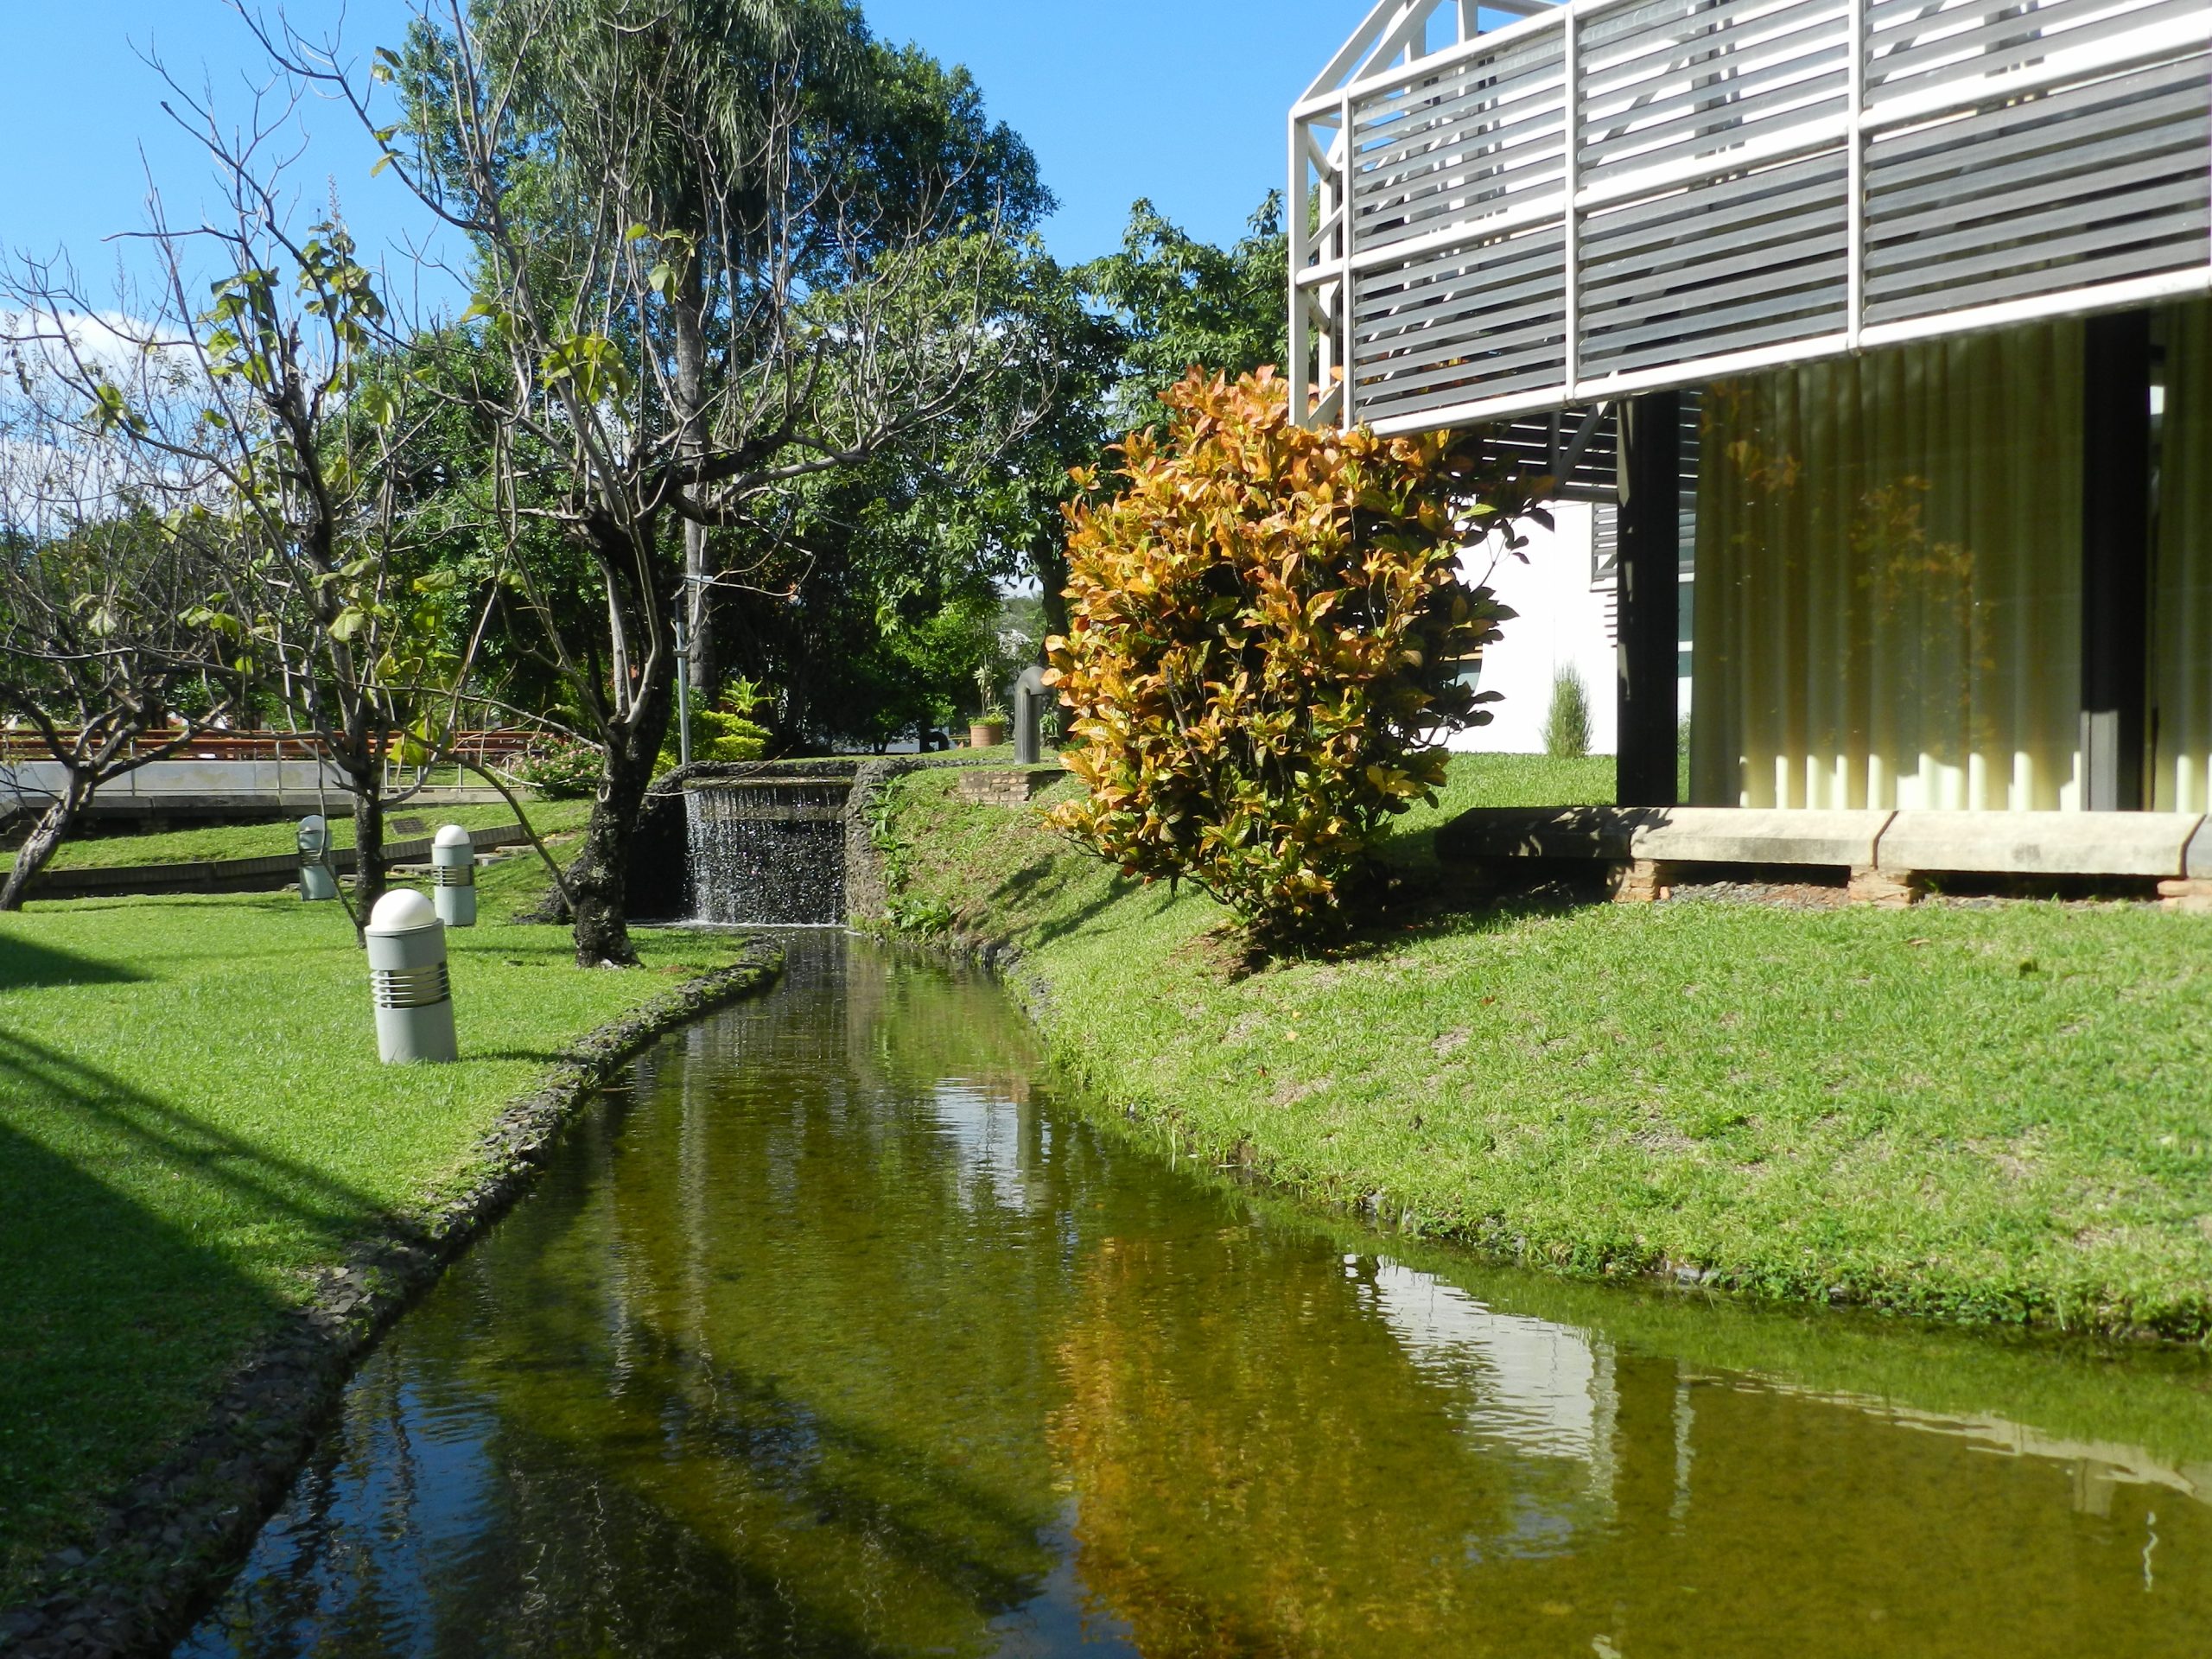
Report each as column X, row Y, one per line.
column 1265, row 629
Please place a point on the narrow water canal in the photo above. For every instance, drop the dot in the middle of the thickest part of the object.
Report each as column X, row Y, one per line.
column 838, row 1336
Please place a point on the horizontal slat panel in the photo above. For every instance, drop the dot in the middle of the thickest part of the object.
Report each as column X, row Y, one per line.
column 1700, row 330
column 1969, row 44
column 1659, row 85
column 2177, row 113
column 2016, row 158
column 2097, row 183
column 2015, row 285
column 1474, row 316
column 1697, row 270
column 1457, row 147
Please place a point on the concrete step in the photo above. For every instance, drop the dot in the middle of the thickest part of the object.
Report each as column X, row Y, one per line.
column 2148, row 845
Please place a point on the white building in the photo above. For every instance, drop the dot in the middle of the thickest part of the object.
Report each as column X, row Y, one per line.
column 1564, row 593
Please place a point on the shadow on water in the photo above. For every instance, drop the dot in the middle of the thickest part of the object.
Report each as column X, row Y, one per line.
column 843, row 1337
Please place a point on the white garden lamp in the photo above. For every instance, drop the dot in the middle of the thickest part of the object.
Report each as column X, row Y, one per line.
column 453, row 866
column 316, row 881
column 408, row 981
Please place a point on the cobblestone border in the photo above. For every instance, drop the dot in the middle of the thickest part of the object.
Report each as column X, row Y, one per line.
column 170, row 1543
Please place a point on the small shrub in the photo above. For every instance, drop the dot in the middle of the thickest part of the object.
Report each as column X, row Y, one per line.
column 1264, row 627
column 1566, row 723
column 718, row 734
column 724, row 736
column 558, row 771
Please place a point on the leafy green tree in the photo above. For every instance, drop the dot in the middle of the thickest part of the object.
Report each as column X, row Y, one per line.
column 96, row 656
column 704, row 288
column 257, row 429
column 1184, row 304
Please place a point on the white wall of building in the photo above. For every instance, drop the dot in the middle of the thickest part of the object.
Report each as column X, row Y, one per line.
column 1560, row 621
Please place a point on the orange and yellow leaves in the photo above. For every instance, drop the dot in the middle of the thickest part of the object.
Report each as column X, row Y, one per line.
column 1263, row 629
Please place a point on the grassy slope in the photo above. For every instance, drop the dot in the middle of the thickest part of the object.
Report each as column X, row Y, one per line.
column 264, row 840
column 1989, row 1114
column 193, row 1118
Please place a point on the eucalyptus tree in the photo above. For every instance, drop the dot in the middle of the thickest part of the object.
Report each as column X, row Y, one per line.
column 703, row 292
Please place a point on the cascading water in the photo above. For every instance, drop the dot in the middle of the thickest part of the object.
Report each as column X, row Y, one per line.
column 770, row 853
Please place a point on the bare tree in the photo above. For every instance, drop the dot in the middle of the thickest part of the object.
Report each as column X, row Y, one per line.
column 691, row 305
column 98, row 668
column 264, row 420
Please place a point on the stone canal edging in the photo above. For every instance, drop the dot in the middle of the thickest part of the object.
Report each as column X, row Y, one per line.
column 268, row 874
column 168, row 1542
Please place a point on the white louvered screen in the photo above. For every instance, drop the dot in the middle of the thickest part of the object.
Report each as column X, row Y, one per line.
column 1458, row 197
column 1748, row 182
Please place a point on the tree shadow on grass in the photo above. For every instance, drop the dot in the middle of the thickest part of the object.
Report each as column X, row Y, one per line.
column 164, row 1135
column 1041, row 883
column 25, row 965
column 114, row 1324
column 548, row 1057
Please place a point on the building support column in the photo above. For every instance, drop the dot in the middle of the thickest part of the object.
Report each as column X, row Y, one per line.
column 2115, row 558
column 1649, row 595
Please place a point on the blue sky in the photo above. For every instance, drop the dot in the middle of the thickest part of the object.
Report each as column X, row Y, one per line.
column 1181, row 102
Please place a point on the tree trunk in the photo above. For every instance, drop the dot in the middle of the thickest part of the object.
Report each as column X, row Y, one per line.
column 1050, row 561
column 690, row 394
column 368, row 846
column 45, row 840
column 599, row 881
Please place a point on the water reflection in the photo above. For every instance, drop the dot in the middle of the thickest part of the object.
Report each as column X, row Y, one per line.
column 840, row 1338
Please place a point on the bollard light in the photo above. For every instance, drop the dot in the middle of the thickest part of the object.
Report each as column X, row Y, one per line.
column 453, row 866
column 315, row 880
column 408, row 981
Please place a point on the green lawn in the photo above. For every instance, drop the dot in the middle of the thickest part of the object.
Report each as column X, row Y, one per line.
column 2000, row 1114
column 193, row 1119
column 264, row 840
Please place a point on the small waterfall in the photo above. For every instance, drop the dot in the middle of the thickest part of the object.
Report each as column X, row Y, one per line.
column 770, row 853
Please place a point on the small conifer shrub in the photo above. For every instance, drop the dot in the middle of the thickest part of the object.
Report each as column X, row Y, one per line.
column 1566, row 723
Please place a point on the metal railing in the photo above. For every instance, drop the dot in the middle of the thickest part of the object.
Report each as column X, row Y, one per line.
column 278, row 765
column 1614, row 196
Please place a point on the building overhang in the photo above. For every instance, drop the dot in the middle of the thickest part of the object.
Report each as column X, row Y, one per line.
column 1608, row 197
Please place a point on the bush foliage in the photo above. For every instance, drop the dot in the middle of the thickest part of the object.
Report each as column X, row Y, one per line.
column 558, row 770
column 1265, row 629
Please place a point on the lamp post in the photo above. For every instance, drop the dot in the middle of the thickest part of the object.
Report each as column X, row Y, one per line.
column 684, row 676
column 453, row 866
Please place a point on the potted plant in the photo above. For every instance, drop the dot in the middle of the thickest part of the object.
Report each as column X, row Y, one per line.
column 988, row 729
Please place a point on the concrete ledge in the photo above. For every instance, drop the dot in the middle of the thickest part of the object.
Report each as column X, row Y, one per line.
column 1727, row 835
column 2146, row 845
column 2197, row 865
column 1600, row 832
column 2040, row 843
